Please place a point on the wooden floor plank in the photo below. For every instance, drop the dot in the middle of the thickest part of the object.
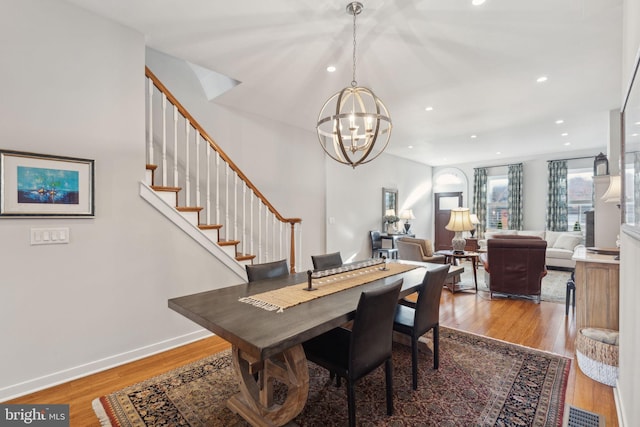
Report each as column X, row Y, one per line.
column 543, row 326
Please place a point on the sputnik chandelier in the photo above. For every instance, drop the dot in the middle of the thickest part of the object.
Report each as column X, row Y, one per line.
column 353, row 120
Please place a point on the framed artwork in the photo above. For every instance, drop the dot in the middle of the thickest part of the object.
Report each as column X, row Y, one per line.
column 40, row 185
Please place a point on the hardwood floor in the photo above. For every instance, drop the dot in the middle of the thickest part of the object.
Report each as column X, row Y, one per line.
column 543, row 326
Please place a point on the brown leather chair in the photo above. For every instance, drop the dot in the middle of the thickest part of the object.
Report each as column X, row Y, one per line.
column 515, row 265
column 420, row 250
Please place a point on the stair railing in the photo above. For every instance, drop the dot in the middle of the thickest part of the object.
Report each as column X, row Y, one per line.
column 227, row 190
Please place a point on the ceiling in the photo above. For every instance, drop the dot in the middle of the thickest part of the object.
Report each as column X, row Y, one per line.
column 476, row 66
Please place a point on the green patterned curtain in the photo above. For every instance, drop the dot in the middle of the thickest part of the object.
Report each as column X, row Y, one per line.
column 557, row 209
column 480, row 199
column 514, row 200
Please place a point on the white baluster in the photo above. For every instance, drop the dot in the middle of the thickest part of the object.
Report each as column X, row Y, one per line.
column 260, row 231
column 164, row 140
column 251, row 222
column 267, row 254
column 244, row 219
column 217, row 188
column 150, row 134
column 235, row 206
column 208, row 184
column 226, row 201
column 273, row 228
column 198, row 169
column 175, row 146
column 187, row 179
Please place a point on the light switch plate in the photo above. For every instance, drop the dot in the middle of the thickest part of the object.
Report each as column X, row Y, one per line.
column 50, row 236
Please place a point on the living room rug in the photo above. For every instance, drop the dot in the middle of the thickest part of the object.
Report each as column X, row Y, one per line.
column 480, row 382
column 554, row 284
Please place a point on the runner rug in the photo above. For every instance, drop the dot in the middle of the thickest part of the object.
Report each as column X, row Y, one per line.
column 480, row 382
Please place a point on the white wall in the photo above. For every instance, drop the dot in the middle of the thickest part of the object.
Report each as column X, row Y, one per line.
column 354, row 201
column 72, row 85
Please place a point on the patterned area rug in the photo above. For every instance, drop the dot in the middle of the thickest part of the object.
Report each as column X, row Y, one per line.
column 480, row 382
column 554, row 284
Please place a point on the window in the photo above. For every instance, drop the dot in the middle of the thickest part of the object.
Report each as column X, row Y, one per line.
column 497, row 201
column 579, row 196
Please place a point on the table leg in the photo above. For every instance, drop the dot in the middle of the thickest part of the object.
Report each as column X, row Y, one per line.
column 474, row 264
column 255, row 403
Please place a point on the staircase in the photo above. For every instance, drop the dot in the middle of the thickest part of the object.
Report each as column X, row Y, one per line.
column 188, row 177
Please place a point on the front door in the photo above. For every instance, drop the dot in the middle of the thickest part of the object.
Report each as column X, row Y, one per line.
column 443, row 204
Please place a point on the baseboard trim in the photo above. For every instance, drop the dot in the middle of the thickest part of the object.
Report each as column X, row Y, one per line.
column 36, row 384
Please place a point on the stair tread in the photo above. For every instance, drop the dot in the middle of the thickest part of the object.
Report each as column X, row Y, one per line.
column 223, row 242
column 189, row 208
column 151, row 167
column 161, row 188
column 245, row 257
column 209, row 226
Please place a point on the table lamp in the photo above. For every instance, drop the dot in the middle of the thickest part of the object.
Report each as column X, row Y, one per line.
column 407, row 215
column 474, row 221
column 460, row 221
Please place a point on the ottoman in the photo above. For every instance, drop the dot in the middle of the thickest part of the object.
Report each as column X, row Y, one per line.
column 597, row 354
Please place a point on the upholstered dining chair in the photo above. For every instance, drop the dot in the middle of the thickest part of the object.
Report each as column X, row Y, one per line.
column 324, row 262
column 352, row 354
column 267, row 270
column 415, row 319
column 376, row 246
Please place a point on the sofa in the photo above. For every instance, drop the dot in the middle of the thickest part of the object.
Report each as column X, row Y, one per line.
column 413, row 249
column 515, row 265
column 560, row 244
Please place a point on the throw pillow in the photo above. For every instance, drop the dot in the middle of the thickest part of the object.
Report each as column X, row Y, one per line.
column 567, row 241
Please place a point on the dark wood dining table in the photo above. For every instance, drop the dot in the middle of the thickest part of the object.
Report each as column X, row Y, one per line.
column 266, row 345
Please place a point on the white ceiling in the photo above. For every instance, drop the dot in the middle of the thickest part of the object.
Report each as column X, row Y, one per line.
column 475, row 65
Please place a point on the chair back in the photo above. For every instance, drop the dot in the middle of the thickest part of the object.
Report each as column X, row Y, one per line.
column 427, row 312
column 371, row 335
column 267, row 270
column 516, row 266
column 324, row 262
column 376, row 240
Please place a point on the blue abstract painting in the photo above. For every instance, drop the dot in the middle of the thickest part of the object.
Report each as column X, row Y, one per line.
column 38, row 185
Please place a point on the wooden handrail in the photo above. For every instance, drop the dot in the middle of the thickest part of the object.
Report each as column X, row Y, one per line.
column 215, row 146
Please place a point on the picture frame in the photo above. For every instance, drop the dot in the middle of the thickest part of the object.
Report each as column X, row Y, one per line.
column 42, row 185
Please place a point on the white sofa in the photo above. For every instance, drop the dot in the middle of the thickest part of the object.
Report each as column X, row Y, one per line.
column 560, row 244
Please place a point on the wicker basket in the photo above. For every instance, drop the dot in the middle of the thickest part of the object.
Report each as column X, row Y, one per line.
column 597, row 359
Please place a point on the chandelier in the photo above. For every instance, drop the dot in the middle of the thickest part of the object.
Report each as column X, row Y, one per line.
column 353, row 120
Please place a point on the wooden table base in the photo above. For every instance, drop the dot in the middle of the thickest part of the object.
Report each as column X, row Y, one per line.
column 255, row 403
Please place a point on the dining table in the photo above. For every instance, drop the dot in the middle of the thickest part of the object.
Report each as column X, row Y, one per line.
column 266, row 343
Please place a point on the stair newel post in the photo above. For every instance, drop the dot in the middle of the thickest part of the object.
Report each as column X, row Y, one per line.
column 175, row 146
column 164, row 140
column 187, row 173
column 198, row 170
column 150, row 123
column 217, row 188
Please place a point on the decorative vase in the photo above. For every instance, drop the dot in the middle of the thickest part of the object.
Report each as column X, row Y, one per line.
column 391, row 228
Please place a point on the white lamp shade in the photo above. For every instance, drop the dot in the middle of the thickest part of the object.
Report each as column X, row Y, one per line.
column 460, row 220
column 407, row 214
column 612, row 195
column 474, row 219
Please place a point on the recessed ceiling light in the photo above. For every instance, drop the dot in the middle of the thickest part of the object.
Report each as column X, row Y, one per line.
column 564, row 134
column 429, row 108
column 567, row 143
column 477, row 2
column 474, row 136
column 559, row 121
column 634, row 134
column 410, row 146
column 637, row 123
column 542, row 79
column 498, row 152
column 331, row 68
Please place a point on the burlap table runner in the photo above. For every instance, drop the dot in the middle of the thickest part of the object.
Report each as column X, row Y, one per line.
column 280, row 299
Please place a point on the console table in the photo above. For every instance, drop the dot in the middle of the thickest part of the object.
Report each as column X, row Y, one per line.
column 597, row 290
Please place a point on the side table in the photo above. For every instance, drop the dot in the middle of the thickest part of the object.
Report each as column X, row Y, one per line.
column 452, row 258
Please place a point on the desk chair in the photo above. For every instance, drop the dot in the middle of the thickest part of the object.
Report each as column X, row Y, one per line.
column 267, row 270
column 352, row 354
column 376, row 247
column 324, row 262
column 415, row 319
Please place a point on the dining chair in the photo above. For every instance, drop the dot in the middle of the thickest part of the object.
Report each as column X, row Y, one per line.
column 352, row 354
column 267, row 270
column 324, row 262
column 376, row 246
column 415, row 319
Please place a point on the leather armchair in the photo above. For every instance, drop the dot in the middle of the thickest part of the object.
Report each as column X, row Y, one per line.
column 417, row 250
column 515, row 266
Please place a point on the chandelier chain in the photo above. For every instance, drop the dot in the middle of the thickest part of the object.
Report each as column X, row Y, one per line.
column 353, row 82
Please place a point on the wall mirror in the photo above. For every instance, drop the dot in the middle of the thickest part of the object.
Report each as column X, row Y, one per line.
column 630, row 153
column 389, row 201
